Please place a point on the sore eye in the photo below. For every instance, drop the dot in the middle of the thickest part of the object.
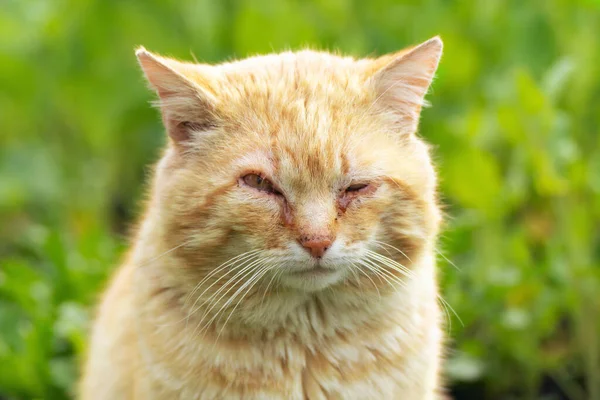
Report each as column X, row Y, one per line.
column 357, row 187
column 259, row 183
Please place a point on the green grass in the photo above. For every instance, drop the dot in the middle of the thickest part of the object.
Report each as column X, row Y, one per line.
column 515, row 125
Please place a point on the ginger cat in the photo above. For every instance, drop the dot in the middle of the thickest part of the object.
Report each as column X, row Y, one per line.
column 287, row 251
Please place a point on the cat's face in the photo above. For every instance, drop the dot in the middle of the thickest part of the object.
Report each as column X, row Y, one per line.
column 304, row 166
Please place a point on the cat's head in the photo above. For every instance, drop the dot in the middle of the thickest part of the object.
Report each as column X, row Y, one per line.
column 305, row 166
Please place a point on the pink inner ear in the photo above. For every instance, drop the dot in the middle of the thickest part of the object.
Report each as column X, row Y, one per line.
column 185, row 106
column 181, row 125
column 180, row 131
column 403, row 82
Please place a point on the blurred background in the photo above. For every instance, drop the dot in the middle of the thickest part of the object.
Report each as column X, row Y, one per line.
column 515, row 128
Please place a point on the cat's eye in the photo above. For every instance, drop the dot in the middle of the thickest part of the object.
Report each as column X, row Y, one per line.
column 259, row 183
column 357, row 187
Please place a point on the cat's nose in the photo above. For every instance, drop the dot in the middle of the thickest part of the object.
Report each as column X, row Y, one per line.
column 316, row 245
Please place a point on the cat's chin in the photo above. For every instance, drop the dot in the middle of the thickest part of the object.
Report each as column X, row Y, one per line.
column 312, row 280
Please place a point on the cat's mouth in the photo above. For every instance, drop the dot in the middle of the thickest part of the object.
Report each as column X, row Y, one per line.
column 318, row 270
column 312, row 277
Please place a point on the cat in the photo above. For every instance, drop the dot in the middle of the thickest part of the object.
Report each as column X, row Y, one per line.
column 287, row 249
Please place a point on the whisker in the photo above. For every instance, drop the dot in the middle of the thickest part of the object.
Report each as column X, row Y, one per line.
column 384, row 248
column 447, row 259
column 143, row 264
column 257, row 274
column 277, row 273
column 447, row 315
column 388, row 262
column 249, row 282
column 224, row 265
column 374, row 268
column 245, row 272
column 354, row 274
column 385, row 257
column 370, row 263
column 254, row 280
column 242, row 266
column 451, row 309
column 393, row 277
column 382, row 266
column 381, row 244
column 368, row 277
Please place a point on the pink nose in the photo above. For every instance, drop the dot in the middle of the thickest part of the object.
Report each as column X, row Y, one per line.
column 316, row 245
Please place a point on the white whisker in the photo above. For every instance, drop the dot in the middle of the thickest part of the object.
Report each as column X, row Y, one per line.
column 243, row 274
column 277, row 273
column 447, row 259
column 374, row 268
column 252, row 281
column 242, row 267
column 446, row 304
column 381, row 244
column 388, row 262
column 143, row 264
column 368, row 277
column 239, row 257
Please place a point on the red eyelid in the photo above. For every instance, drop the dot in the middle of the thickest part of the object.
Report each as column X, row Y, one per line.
column 368, row 189
column 276, row 189
column 361, row 186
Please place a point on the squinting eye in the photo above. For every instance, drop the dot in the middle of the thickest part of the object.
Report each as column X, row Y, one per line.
column 357, row 187
column 258, row 182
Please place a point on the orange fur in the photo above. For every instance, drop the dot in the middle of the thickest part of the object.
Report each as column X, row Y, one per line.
column 219, row 299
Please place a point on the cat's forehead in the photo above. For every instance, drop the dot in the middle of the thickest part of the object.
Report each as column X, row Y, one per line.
column 289, row 76
column 307, row 103
column 307, row 112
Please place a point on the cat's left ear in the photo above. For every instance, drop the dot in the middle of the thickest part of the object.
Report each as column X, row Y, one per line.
column 402, row 80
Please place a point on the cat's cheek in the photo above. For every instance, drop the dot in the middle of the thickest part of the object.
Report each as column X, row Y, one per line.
column 405, row 226
column 258, row 218
column 359, row 222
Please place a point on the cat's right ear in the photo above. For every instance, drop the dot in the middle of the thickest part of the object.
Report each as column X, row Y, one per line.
column 186, row 99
